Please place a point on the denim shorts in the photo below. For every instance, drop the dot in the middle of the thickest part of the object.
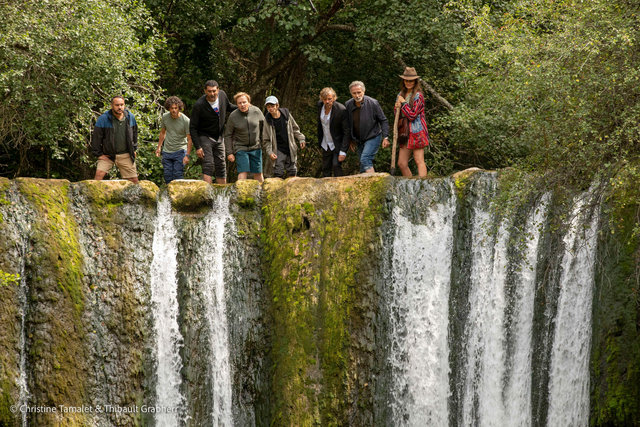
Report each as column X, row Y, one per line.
column 249, row 161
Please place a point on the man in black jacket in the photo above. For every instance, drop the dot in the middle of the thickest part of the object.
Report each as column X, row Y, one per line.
column 115, row 141
column 368, row 125
column 207, row 129
column 333, row 132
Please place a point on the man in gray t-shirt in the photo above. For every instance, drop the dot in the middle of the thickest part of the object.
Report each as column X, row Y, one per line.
column 175, row 140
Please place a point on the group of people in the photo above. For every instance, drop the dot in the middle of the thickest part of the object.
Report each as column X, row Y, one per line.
column 240, row 132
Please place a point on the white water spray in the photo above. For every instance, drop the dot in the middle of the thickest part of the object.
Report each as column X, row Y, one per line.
column 164, row 296
column 216, row 310
column 569, row 373
column 421, row 269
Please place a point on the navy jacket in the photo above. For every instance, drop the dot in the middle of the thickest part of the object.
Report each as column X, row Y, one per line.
column 372, row 119
column 338, row 126
column 102, row 141
column 202, row 113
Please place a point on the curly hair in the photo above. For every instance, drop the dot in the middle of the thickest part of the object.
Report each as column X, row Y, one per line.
column 325, row 92
column 174, row 100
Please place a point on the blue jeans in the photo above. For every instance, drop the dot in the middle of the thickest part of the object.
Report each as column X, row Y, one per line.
column 172, row 165
column 367, row 152
column 249, row 161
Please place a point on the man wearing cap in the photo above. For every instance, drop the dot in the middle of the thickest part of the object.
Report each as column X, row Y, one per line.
column 368, row 125
column 279, row 136
column 207, row 131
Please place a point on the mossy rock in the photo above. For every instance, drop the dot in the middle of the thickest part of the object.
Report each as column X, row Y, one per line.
column 247, row 193
column 463, row 178
column 116, row 192
column 190, row 196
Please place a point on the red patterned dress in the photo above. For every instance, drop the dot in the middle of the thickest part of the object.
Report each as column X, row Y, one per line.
column 418, row 134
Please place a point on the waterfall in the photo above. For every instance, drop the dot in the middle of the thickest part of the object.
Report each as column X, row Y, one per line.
column 517, row 393
column 421, row 266
column 485, row 330
column 164, row 291
column 216, row 312
column 569, row 378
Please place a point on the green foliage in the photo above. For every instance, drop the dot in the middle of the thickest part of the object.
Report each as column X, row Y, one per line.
column 7, row 279
column 61, row 64
column 549, row 85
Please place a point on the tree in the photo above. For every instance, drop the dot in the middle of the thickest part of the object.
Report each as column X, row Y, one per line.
column 61, row 64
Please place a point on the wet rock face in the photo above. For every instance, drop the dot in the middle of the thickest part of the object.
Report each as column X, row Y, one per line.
column 306, row 269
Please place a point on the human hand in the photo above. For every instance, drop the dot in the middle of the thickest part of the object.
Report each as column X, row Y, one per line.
column 200, row 153
column 231, row 158
column 185, row 160
column 103, row 157
column 273, row 156
column 303, row 144
column 385, row 143
column 341, row 158
column 158, row 151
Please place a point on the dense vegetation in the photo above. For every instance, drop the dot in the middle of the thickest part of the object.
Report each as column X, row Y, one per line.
column 544, row 85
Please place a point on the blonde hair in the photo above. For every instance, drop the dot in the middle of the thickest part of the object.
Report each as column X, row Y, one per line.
column 325, row 92
column 239, row 94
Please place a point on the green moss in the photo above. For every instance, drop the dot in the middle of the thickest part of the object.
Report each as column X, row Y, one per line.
column 190, row 196
column 59, row 285
column 247, row 192
column 615, row 361
column 462, row 179
column 305, row 230
column 9, row 279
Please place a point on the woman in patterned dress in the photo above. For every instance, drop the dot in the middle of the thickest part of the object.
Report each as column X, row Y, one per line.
column 411, row 103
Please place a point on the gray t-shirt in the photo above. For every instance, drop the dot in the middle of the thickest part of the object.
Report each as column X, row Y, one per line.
column 177, row 130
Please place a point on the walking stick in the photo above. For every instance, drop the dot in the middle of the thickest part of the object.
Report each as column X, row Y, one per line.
column 392, row 170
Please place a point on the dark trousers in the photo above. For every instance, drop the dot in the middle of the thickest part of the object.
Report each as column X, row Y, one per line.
column 172, row 165
column 330, row 163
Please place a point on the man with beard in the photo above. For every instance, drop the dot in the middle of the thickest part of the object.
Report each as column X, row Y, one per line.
column 207, row 131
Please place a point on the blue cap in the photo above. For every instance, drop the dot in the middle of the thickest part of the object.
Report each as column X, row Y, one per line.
column 271, row 100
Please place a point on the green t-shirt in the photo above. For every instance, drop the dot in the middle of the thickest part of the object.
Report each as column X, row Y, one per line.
column 120, row 134
column 177, row 130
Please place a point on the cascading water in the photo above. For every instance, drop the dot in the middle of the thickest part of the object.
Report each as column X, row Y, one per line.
column 496, row 368
column 517, row 394
column 569, row 378
column 421, row 267
column 215, row 308
column 164, row 291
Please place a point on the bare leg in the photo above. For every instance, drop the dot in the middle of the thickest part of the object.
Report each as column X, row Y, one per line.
column 418, row 156
column 370, row 170
column 206, row 178
column 99, row 175
column 403, row 161
column 134, row 179
column 221, row 180
column 243, row 175
column 258, row 177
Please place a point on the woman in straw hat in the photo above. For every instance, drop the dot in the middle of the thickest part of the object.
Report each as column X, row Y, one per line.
column 410, row 101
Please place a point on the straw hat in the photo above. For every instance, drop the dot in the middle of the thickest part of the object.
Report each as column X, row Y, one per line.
column 409, row 74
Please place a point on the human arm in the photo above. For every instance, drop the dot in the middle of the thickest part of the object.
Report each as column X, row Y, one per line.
column 299, row 136
column 185, row 160
column 163, row 133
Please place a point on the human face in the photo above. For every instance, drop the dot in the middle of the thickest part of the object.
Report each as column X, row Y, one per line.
column 328, row 101
column 117, row 107
column 273, row 110
column 175, row 111
column 211, row 92
column 358, row 93
column 409, row 84
column 243, row 104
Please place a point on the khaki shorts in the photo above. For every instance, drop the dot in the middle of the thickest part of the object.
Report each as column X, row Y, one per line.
column 123, row 163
